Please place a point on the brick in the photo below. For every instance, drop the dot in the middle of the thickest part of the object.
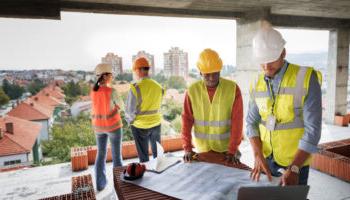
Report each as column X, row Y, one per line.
column 334, row 159
column 82, row 188
column 341, row 120
column 79, row 159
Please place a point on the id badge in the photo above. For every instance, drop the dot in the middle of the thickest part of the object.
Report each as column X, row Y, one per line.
column 271, row 123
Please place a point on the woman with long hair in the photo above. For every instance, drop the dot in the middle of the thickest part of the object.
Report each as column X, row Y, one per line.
column 106, row 122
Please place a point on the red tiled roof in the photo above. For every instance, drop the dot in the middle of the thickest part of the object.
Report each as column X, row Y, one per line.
column 23, row 138
column 28, row 111
column 46, row 99
column 9, row 147
column 54, row 93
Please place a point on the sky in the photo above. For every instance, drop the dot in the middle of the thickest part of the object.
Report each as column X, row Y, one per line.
column 79, row 40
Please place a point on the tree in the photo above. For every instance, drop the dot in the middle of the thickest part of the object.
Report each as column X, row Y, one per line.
column 124, row 77
column 73, row 91
column 84, row 88
column 170, row 110
column 13, row 91
column 160, row 78
column 176, row 82
column 4, row 99
column 35, row 86
column 73, row 132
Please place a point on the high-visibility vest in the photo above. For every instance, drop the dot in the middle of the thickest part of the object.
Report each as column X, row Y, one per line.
column 283, row 141
column 212, row 120
column 104, row 114
column 149, row 96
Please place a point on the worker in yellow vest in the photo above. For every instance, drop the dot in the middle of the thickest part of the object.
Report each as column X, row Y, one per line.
column 106, row 122
column 143, row 110
column 214, row 107
column 285, row 112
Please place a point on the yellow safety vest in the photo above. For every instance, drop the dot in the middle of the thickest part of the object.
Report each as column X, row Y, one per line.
column 149, row 96
column 283, row 141
column 212, row 120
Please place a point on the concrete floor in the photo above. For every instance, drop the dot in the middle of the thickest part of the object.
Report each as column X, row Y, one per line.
column 46, row 181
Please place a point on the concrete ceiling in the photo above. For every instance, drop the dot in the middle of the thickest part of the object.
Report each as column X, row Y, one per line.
column 293, row 13
column 313, row 8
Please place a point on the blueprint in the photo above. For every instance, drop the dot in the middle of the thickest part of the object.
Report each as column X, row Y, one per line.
column 200, row 180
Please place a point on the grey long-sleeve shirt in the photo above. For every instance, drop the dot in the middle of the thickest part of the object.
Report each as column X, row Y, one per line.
column 312, row 112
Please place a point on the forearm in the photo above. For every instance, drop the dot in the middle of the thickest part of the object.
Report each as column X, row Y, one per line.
column 186, row 134
column 187, row 124
column 300, row 157
column 256, row 145
column 236, row 123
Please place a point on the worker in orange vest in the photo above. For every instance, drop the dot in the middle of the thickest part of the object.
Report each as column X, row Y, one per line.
column 106, row 122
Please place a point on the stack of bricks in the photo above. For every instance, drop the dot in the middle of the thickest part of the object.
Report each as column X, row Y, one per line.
column 172, row 143
column 82, row 188
column 82, row 157
column 334, row 159
column 79, row 158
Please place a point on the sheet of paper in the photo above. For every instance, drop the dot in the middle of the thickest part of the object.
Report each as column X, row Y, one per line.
column 199, row 180
column 162, row 162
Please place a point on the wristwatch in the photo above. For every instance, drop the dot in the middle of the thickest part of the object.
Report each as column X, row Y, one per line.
column 294, row 169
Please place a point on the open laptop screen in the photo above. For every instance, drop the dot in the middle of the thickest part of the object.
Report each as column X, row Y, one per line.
column 298, row 192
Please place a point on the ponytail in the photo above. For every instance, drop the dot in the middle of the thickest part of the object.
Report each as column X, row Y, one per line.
column 97, row 84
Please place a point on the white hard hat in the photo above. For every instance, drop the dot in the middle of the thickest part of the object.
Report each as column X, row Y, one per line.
column 103, row 68
column 268, row 45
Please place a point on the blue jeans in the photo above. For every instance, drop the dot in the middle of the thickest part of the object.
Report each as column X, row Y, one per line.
column 142, row 137
column 274, row 167
column 115, row 138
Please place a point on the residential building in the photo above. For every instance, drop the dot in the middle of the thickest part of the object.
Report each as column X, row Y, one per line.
column 115, row 61
column 176, row 63
column 19, row 143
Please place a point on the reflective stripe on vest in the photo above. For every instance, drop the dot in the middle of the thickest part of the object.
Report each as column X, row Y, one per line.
column 104, row 114
column 212, row 123
column 298, row 92
column 205, row 136
column 107, row 128
column 149, row 96
column 283, row 141
column 109, row 116
column 212, row 119
column 139, row 102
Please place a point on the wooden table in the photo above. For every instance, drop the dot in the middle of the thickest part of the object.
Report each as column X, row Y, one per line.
column 128, row 191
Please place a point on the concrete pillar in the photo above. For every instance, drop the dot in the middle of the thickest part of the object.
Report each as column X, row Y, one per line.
column 337, row 74
column 246, row 69
column 245, row 33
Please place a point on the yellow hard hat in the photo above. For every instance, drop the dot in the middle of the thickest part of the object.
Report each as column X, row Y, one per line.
column 139, row 63
column 209, row 62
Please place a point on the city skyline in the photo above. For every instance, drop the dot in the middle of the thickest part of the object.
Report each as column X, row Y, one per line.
column 79, row 40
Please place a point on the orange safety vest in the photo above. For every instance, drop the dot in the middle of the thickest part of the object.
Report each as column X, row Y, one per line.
column 105, row 117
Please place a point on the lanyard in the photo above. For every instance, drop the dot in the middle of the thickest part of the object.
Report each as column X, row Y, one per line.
column 273, row 95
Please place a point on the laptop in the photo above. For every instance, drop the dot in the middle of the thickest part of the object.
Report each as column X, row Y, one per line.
column 297, row 192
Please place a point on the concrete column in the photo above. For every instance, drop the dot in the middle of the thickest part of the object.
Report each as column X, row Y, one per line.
column 246, row 69
column 337, row 74
column 245, row 33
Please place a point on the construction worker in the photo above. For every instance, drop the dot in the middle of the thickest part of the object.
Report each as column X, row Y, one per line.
column 143, row 110
column 285, row 113
column 106, row 122
column 214, row 107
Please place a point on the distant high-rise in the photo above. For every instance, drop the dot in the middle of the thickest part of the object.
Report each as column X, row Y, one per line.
column 115, row 61
column 175, row 63
column 150, row 59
